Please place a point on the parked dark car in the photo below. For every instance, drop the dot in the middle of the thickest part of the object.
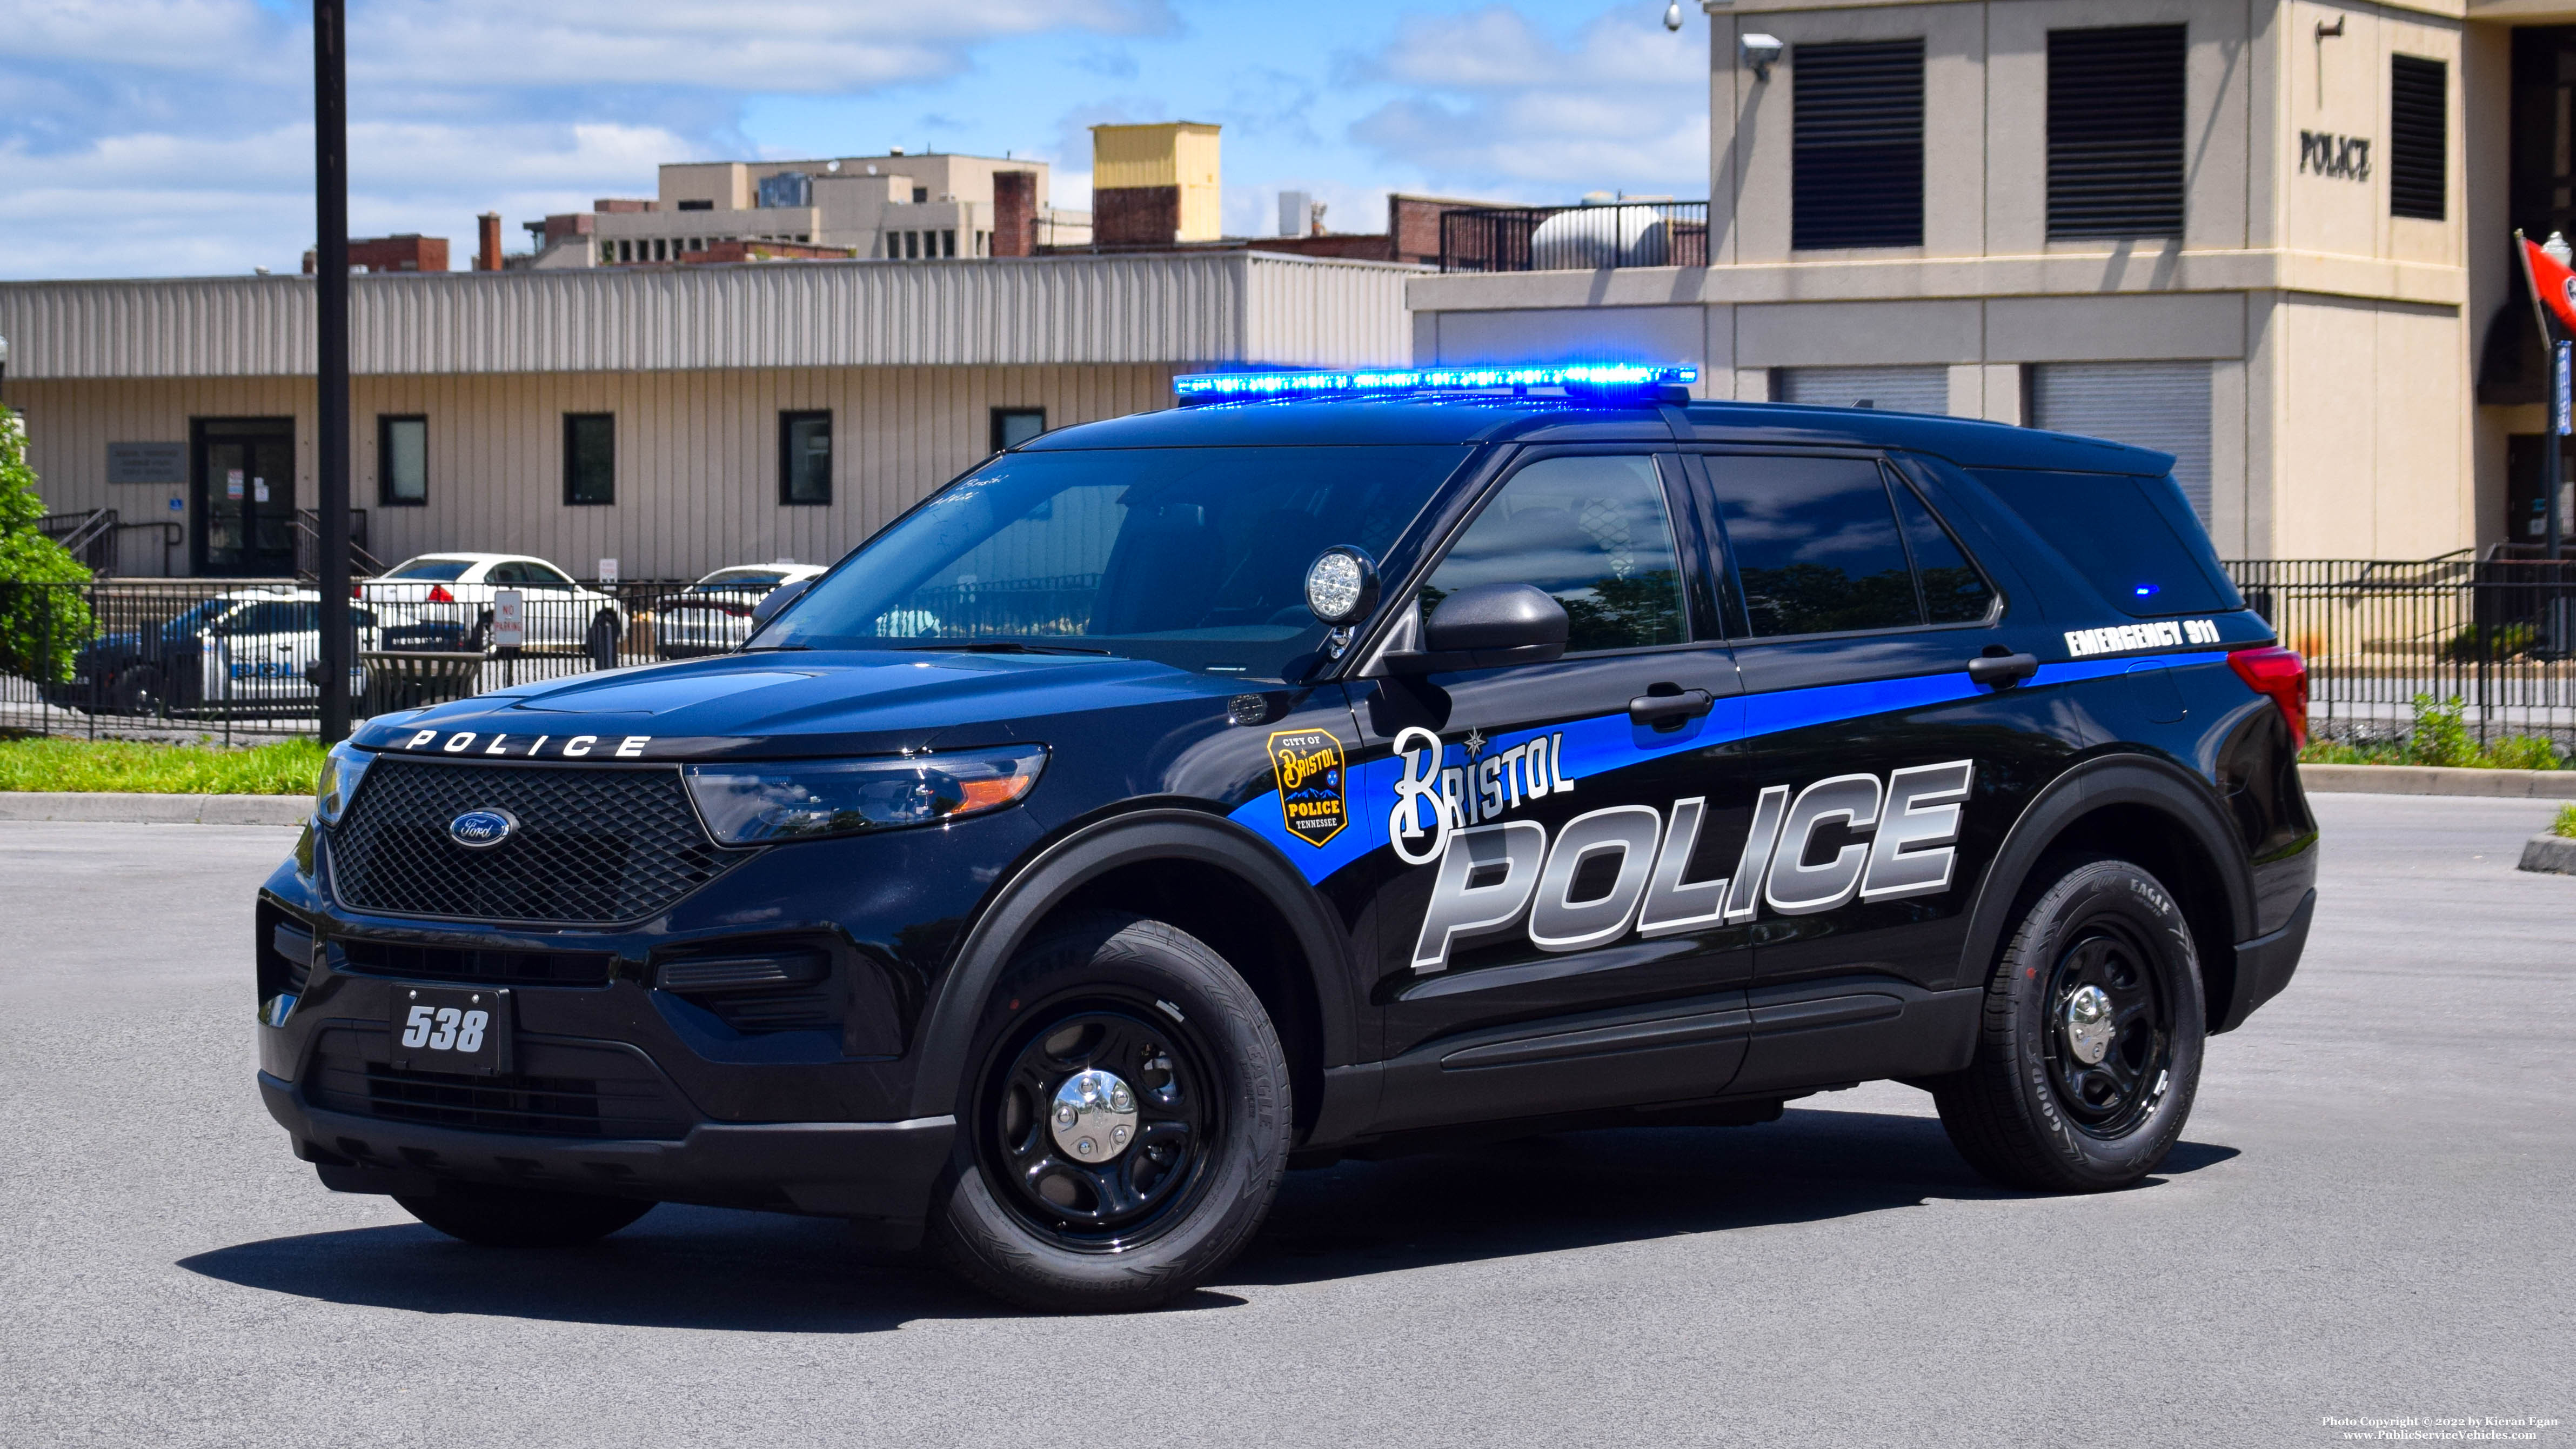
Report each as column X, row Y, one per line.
column 243, row 648
column 1176, row 800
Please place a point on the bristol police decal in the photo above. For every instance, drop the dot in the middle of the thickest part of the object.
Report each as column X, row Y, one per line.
column 482, row 829
column 1507, row 876
column 1312, row 799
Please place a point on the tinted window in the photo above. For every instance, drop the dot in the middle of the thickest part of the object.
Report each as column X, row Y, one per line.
column 1814, row 543
column 804, row 458
column 1591, row 531
column 2134, row 539
column 1953, row 591
column 590, row 458
column 402, row 446
column 431, row 570
column 543, row 576
column 507, row 574
column 1192, row 556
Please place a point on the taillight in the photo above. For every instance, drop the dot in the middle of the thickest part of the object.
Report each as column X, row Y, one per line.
column 438, row 594
column 357, row 591
column 2272, row 670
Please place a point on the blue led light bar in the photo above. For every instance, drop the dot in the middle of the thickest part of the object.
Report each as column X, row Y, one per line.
column 1586, row 377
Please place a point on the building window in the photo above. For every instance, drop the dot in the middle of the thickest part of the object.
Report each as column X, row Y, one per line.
column 1856, row 145
column 948, row 243
column 920, row 194
column 697, row 206
column 2115, row 131
column 804, row 458
column 402, row 461
column 1014, row 426
column 2418, row 137
column 590, row 458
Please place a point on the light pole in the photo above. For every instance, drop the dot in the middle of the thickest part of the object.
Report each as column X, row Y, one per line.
column 331, row 352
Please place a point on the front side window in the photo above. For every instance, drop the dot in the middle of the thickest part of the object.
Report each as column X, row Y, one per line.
column 1591, row 531
column 804, row 458
column 1815, row 544
column 1194, row 557
column 590, row 458
column 402, row 461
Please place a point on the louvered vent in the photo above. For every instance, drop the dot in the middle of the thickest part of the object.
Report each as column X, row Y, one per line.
column 2419, row 136
column 2115, row 131
column 1856, row 145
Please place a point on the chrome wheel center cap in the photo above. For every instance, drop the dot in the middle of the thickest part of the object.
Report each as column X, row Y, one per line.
column 1093, row 1117
column 2088, row 1024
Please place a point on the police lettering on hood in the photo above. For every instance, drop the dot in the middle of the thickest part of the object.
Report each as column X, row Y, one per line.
column 1509, row 875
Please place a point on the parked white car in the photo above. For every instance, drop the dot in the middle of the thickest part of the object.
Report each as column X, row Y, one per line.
column 713, row 615
column 444, row 601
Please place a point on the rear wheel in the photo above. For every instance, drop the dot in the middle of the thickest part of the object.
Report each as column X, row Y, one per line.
column 513, row 1217
column 1126, row 1126
column 2089, row 1055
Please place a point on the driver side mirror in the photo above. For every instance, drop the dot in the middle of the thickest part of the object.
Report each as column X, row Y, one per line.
column 1483, row 626
column 775, row 600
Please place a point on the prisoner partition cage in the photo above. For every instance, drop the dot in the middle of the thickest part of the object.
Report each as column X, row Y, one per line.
column 234, row 660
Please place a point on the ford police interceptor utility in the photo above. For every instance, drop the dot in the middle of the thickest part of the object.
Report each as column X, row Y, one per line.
column 1337, row 764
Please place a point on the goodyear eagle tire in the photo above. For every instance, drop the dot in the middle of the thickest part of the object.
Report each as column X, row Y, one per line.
column 2089, row 1053
column 1125, row 1125
column 512, row 1217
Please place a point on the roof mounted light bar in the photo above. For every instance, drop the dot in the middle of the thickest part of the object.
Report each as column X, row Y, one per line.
column 1589, row 379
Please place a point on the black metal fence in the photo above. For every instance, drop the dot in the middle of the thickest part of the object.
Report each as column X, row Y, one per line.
column 1574, row 238
column 2499, row 635
column 147, row 657
column 180, row 658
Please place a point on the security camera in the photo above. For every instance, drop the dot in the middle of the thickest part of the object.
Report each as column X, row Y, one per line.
column 1762, row 52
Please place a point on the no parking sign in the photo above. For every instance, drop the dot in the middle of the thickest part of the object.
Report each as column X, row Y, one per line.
column 509, row 619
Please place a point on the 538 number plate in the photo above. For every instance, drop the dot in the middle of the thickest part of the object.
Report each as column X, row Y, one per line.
column 437, row 1029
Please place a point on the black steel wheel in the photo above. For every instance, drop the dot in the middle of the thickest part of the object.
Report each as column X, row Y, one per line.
column 2089, row 1053
column 1124, row 1125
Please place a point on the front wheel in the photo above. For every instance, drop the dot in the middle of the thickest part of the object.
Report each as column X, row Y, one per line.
column 2089, row 1054
column 513, row 1217
column 1126, row 1126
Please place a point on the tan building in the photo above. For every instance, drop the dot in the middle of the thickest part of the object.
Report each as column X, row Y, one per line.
column 2268, row 236
column 672, row 419
column 892, row 206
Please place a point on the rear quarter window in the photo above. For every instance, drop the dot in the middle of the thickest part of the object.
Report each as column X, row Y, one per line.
column 2132, row 538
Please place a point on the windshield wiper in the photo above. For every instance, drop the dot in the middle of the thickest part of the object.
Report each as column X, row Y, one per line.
column 1005, row 646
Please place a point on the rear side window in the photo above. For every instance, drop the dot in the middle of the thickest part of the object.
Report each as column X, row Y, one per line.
column 2133, row 538
column 1815, row 544
column 1953, row 591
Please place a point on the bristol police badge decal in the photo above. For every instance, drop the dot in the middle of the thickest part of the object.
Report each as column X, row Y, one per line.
column 1312, row 802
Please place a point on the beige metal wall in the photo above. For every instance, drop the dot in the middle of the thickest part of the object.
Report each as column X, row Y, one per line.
column 697, row 452
column 1207, row 307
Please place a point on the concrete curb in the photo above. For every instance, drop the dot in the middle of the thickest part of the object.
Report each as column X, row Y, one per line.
column 2555, row 854
column 109, row 807
column 2438, row 780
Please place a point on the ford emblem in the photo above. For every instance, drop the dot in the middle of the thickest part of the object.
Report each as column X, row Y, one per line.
column 482, row 829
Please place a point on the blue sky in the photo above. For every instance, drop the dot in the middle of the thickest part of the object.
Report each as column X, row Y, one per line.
column 172, row 137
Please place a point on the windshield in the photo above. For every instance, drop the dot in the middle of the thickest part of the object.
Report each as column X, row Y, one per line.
column 432, row 570
column 737, row 580
column 1194, row 557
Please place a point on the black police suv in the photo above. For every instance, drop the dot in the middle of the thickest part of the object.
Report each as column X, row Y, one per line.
column 1173, row 800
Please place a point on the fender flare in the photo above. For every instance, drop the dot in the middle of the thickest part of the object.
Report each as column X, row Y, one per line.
column 1056, row 872
column 2122, row 779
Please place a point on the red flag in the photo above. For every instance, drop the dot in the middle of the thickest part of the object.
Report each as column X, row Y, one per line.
column 2552, row 283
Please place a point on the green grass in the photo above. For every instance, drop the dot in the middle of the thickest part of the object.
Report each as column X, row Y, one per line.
column 2566, row 822
column 286, row 768
column 2441, row 737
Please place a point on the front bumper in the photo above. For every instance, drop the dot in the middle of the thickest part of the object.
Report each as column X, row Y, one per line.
column 862, row 1170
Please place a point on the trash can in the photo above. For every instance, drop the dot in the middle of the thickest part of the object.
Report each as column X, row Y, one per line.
column 408, row 679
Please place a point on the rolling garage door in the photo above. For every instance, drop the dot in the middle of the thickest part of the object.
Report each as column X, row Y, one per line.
column 2159, row 405
column 1894, row 389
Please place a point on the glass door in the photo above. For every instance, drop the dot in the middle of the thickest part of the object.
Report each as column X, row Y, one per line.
column 244, row 513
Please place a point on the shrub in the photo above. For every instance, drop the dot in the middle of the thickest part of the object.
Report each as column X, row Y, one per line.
column 2523, row 752
column 2441, row 734
column 2489, row 642
column 2566, row 823
column 40, row 628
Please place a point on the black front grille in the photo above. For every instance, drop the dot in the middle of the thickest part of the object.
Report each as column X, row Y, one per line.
column 496, row 968
column 592, row 846
column 560, row 1090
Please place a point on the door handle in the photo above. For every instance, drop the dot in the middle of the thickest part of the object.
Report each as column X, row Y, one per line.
column 1669, row 711
column 2003, row 671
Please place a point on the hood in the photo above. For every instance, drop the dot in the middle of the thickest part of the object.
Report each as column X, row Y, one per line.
column 791, row 703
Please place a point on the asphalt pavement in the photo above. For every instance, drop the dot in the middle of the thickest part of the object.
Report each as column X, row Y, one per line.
column 2371, row 1215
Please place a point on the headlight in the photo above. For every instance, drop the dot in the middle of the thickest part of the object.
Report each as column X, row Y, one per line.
column 341, row 770
column 754, row 804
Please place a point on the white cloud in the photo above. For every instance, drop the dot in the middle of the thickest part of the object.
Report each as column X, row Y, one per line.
column 1496, row 104
column 144, row 137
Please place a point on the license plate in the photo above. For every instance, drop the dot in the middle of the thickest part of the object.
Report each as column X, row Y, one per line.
column 451, row 1029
